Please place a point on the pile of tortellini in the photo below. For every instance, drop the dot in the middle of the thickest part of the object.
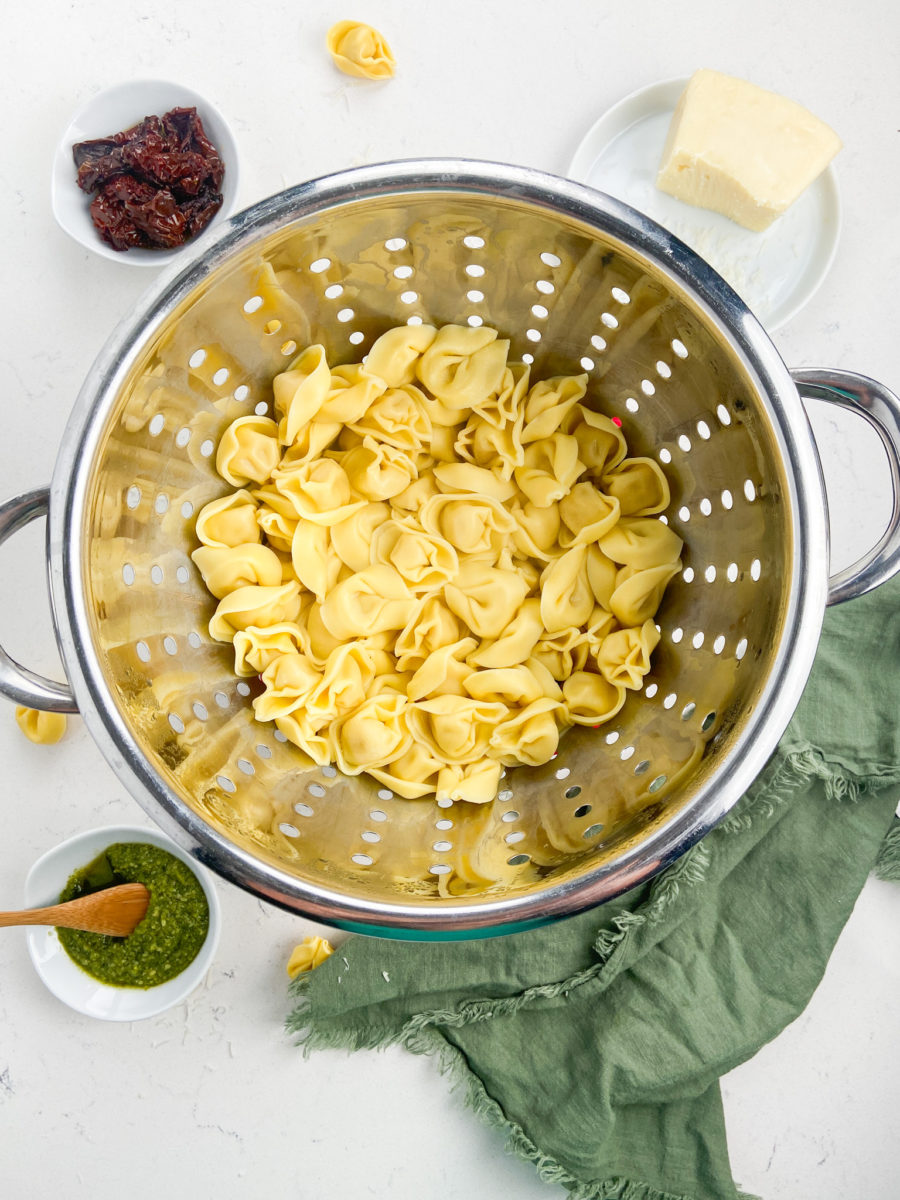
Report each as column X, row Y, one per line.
column 435, row 565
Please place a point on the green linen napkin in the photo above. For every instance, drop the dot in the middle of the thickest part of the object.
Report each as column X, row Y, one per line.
column 596, row 1044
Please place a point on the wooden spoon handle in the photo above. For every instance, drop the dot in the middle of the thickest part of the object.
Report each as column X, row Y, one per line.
column 115, row 911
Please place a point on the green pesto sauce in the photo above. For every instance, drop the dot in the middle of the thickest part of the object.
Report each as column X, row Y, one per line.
column 168, row 938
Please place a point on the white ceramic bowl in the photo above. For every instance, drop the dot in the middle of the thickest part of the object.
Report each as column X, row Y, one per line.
column 117, row 108
column 63, row 977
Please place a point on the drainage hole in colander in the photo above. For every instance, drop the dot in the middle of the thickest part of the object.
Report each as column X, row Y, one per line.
column 334, row 289
column 344, row 315
column 473, row 241
column 677, row 634
column 598, row 342
column 582, row 810
column 755, row 569
column 290, row 831
column 670, row 700
column 414, row 320
column 378, row 814
column 385, row 794
column 684, row 443
column 732, row 572
column 261, row 409
column 182, row 574
column 684, row 513
column 246, row 766
column 609, row 320
column 632, row 405
column 518, row 860
column 505, row 794
column 128, row 574
column 176, row 723
column 396, row 243
column 727, row 499
column 550, row 260
column 587, row 364
column 665, row 456
column 316, row 789
column 399, row 273
column 710, row 574
column 157, row 424
column 133, row 496
column 563, row 773
column 329, row 771
column 443, row 823
column 688, row 574
column 156, row 574
column 226, row 784
column 263, row 751
column 304, row 810
column 356, row 337
column 679, row 348
column 441, row 847
column 183, row 436
column 719, row 644
column 705, row 507
column 533, row 335
column 221, row 376
column 688, row 711
column 474, row 270
column 707, row 721
column 251, row 305
column 612, row 738
column 369, row 835
column 704, row 430
column 200, row 711
column 697, row 640
column 197, row 359
column 406, row 297
column 572, row 792
column 475, row 296
column 650, row 690
column 195, row 639
column 723, row 414
column 626, row 753
column 540, row 311
column 279, row 736
column 288, row 347
column 657, row 783
column 663, row 370
column 437, row 869
column 243, row 689
column 221, row 699
column 510, row 816
column 187, row 509
column 643, row 767
column 474, row 320
column 207, row 447
column 528, row 358
column 740, row 649
column 143, row 651
column 241, row 393
column 592, row 831
column 516, row 836
column 320, row 265
column 545, row 287
column 170, row 645
column 647, row 388
column 750, row 490
column 620, row 296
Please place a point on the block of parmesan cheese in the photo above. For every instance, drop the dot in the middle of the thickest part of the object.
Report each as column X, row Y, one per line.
column 741, row 150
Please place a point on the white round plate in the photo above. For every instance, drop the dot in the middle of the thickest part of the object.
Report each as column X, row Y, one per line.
column 774, row 272
column 63, row 977
column 117, row 108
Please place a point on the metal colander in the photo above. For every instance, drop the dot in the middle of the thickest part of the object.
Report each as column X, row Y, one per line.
column 577, row 282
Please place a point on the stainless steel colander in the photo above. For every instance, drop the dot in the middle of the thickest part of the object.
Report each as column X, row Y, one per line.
column 578, row 282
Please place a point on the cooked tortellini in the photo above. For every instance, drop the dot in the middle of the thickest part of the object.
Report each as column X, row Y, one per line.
column 358, row 49
column 435, row 565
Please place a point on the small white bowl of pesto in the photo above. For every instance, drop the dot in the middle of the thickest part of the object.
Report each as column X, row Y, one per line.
column 156, row 966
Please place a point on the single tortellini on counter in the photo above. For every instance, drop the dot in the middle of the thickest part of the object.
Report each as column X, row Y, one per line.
column 463, row 365
column 485, row 598
column 591, row 699
column 42, row 728
column 254, row 605
column 308, row 955
column 624, row 656
column 370, row 601
column 548, row 403
column 550, row 469
column 248, row 450
column 372, row 735
column 358, row 49
column 228, row 521
column 226, row 568
column 474, row 524
column 640, row 487
column 424, row 560
column 300, row 392
column 376, row 471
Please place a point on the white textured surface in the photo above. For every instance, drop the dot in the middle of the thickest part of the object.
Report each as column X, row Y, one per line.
column 210, row 1099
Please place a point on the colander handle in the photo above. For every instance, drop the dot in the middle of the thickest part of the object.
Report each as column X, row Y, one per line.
column 881, row 408
column 17, row 682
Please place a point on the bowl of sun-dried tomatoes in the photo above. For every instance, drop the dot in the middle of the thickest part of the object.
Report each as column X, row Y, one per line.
column 143, row 169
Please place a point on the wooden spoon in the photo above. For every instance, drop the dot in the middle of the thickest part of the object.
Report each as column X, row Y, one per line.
column 115, row 911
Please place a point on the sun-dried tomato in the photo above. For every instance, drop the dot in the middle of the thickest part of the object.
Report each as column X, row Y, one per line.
column 157, row 184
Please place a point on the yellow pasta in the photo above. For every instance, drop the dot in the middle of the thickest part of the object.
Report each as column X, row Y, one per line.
column 360, row 50
column 435, row 565
column 42, row 728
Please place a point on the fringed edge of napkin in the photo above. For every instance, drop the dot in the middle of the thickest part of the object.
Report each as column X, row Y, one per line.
column 419, row 1034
